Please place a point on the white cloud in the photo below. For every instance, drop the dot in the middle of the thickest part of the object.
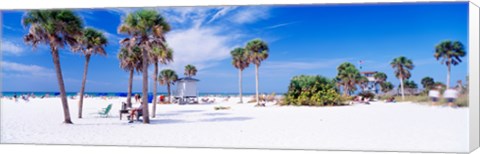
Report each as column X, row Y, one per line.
column 18, row 69
column 11, row 48
column 222, row 12
column 250, row 15
column 279, row 25
column 202, row 47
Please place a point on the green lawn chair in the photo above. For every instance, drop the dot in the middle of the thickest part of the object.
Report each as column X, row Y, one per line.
column 104, row 112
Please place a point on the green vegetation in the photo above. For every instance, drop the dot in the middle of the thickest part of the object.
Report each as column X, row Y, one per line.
column 240, row 62
column 312, row 91
column 190, row 70
column 55, row 28
column 450, row 53
column 256, row 51
column 92, row 42
column 348, row 77
column 402, row 67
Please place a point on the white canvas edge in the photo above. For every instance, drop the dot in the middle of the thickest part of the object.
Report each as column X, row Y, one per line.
column 474, row 56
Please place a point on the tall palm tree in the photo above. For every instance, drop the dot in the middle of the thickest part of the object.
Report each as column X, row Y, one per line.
column 146, row 29
column 168, row 77
column 190, row 70
column 92, row 42
column 239, row 61
column 162, row 55
column 55, row 28
column 256, row 51
column 402, row 66
column 130, row 60
column 348, row 76
column 451, row 53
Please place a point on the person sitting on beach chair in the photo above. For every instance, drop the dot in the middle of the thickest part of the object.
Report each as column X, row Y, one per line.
column 133, row 111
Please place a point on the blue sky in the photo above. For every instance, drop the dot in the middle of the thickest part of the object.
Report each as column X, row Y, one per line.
column 311, row 40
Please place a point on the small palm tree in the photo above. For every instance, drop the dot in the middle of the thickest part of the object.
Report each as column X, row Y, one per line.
column 130, row 60
column 146, row 29
column 92, row 42
column 363, row 82
column 451, row 53
column 256, row 51
column 239, row 61
column 162, row 55
column 428, row 83
column 348, row 76
column 402, row 66
column 380, row 77
column 190, row 70
column 168, row 77
column 386, row 86
column 55, row 28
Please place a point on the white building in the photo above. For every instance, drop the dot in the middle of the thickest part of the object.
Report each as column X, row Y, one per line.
column 186, row 90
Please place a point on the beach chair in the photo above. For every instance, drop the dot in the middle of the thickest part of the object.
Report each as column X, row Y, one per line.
column 105, row 111
column 123, row 110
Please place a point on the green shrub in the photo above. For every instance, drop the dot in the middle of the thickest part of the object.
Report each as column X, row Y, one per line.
column 311, row 91
column 367, row 94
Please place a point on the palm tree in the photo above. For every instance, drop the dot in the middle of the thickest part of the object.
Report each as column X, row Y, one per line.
column 163, row 56
column 428, row 83
column 450, row 52
column 190, row 70
column 55, row 28
column 92, row 42
column 256, row 51
column 130, row 61
column 146, row 29
column 402, row 66
column 348, row 76
column 363, row 82
column 386, row 86
column 380, row 77
column 239, row 61
column 168, row 77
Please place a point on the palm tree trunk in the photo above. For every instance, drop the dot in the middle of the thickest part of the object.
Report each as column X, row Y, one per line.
column 256, row 84
column 448, row 75
column 63, row 95
column 401, row 89
column 82, row 89
column 146, row 118
column 240, row 84
column 169, row 94
column 129, row 95
column 154, row 101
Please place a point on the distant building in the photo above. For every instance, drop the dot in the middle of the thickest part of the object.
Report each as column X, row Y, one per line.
column 371, row 86
column 186, row 90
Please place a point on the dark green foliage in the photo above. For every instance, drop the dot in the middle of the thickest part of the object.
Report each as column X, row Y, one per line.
column 428, row 83
column 367, row 94
column 312, row 91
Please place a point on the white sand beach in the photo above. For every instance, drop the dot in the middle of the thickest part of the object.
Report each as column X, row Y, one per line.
column 379, row 126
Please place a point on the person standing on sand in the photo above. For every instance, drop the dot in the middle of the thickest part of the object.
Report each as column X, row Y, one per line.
column 434, row 94
column 15, row 97
column 451, row 95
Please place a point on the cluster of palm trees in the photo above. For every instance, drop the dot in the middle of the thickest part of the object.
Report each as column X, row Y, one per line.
column 60, row 28
column 254, row 52
column 450, row 54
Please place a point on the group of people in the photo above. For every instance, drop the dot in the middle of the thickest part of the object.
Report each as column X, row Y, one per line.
column 450, row 94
